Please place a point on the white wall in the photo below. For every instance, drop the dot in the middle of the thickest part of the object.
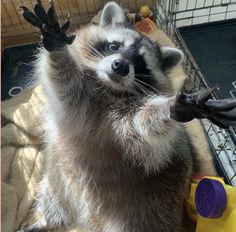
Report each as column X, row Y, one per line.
column 200, row 11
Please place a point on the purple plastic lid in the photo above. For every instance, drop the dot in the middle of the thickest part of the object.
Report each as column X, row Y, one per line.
column 210, row 198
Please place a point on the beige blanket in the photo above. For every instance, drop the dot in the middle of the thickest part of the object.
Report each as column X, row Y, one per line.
column 22, row 153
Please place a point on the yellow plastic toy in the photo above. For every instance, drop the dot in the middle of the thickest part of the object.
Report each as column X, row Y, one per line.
column 145, row 11
column 212, row 204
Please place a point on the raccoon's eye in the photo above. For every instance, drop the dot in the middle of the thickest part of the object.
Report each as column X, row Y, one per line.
column 114, row 46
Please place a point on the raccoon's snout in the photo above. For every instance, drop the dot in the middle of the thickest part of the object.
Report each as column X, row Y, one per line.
column 121, row 67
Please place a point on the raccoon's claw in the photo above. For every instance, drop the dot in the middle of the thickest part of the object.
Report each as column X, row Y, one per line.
column 30, row 17
column 66, row 25
column 54, row 37
column 199, row 105
column 40, row 12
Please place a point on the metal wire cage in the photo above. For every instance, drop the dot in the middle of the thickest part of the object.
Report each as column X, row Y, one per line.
column 172, row 14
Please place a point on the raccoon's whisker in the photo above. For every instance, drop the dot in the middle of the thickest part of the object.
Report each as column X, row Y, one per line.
column 101, row 85
column 105, row 90
column 93, row 58
column 96, row 59
column 92, row 54
column 89, row 75
column 137, row 86
column 135, row 90
column 156, row 91
column 98, row 88
column 102, row 51
column 95, row 50
column 96, row 55
column 147, row 91
column 145, row 87
column 128, row 97
column 143, row 75
column 140, row 87
column 132, row 87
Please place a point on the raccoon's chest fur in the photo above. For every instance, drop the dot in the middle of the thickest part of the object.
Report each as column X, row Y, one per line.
column 105, row 180
column 112, row 162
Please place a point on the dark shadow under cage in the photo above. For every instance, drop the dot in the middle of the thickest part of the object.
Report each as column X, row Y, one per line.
column 174, row 16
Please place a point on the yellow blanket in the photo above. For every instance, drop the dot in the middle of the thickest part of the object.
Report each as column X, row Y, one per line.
column 22, row 149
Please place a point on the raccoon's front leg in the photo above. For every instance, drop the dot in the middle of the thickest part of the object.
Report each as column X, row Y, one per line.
column 221, row 112
column 54, row 37
column 147, row 132
column 153, row 118
column 59, row 67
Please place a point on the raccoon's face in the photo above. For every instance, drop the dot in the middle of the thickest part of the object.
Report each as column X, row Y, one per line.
column 125, row 60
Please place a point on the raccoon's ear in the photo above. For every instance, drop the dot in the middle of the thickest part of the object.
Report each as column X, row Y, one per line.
column 171, row 58
column 112, row 13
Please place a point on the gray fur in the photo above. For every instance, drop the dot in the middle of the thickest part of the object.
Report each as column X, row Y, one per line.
column 115, row 162
column 111, row 15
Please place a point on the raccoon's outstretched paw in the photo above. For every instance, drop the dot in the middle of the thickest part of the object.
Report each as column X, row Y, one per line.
column 54, row 36
column 221, row 112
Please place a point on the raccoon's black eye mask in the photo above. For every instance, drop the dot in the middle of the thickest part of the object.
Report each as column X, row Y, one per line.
column 106, row 48
column 142, row 74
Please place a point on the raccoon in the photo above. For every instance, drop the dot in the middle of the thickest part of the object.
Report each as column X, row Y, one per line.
column 116, row 160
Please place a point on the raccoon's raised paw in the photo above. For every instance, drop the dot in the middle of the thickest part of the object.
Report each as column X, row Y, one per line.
column 54, row 36
column 221, row 112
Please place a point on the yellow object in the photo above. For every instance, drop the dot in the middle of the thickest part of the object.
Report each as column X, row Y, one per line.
column 145, row 11
column 225, row 223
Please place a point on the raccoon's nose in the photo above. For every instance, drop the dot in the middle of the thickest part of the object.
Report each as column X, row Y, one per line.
column 120, row 66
